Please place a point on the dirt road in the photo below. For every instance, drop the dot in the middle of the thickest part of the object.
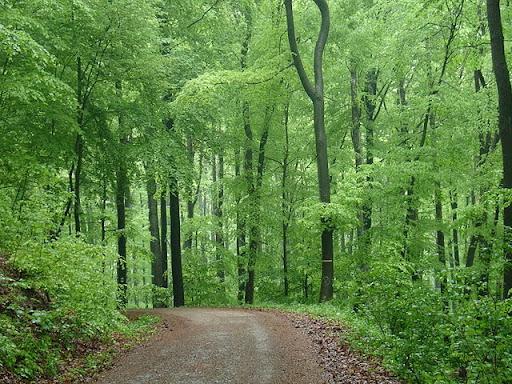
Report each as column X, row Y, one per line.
column 207, row 346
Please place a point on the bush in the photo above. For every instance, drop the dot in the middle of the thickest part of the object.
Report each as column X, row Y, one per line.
column 54, row 296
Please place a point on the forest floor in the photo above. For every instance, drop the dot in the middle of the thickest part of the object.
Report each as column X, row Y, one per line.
column 225, row 346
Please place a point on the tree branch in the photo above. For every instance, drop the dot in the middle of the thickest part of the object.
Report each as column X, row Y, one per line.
column 297, row 61
column 204, row 14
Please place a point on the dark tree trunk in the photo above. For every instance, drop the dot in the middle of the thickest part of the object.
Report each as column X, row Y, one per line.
column 505, row 127
column 356, row 119
column 191, row 202
column 79, row 148
column 122, row 197
column 104, row 212
column 455, row 232
column 254, row 231
column 240, row 238
column 122, row 275
column 154, row 230
column 163, row 239
column 411, row 214
column 356, row 134
column 217, row 197
column 370, row 103
column 440, row 240
column 177, row 273
column 316, row 94
column 219, row 237
column 243, row 250
column 285, row 201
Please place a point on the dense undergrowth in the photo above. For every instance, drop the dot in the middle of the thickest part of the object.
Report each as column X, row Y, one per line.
column 56, row 315
column 420, row 341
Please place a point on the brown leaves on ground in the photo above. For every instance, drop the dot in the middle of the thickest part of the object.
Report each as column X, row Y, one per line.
column 342, row 365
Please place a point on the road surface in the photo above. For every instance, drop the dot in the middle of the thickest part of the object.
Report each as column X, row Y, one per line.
column 209, row 346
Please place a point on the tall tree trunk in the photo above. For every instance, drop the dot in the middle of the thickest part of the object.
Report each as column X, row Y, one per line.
column 285, row 202
column 240, row 238
column 193, row 194
column 177, row 273
column 356, row 119
column 502, row 75
column 122, row 196
column 356, row 133
column 370, row 103
column 163, row 238
column 411, row 214
column 255, row 190
column 154, row 230
column 79, row 147
column 219, row 238
column 104, row 211
column 440, row 240
column 217, row 195
column 247, row 168
column 316, row 94
column 455, row 232
column 122, row 275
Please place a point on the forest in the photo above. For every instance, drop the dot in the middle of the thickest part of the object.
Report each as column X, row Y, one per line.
column 348, row 159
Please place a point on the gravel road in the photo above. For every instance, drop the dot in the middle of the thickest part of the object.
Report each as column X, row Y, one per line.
column 209, row 346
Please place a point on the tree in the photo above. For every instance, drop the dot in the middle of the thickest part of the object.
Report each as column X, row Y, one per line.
column 316, row 94
column 502, row 75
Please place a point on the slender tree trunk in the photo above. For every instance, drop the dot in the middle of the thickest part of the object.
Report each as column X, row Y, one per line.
column 505, row 126
column 217, row 195
column 356, row 119
column 177, row 273
column 254, row 231
column 122, row 197
column 240, row 238
column 247, row 168
column 455, row 232
column 154, row 230
column 122, row 274
column 191, row 202
column 371, row 115
column 440, row 240
column 316, row 94
column 285, row 203
column 79, row 149
column 104, row 211
column 219, row 237
column 356, row 134
column 163, row 240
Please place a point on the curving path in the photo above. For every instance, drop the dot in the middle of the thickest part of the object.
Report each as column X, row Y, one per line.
column 208, row 346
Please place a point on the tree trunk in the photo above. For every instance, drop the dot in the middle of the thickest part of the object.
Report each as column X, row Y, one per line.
column 157, row 270
column 316, row 94
column 79, row 148
column 371, row 115
column 455, row 232
column 254, row 193
column 217, row 197
column 356, row 134
column 240, row 238
column 163, row 240
column 440, row 240
column 505, row 127
column 285, row 202
column 177, row 273
column 122, row 197
column 122, row 275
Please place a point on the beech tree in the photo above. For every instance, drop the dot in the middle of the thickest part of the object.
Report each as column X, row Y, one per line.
column 315, row 92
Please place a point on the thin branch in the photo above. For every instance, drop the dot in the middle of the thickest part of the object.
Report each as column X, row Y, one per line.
column 204, row 14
